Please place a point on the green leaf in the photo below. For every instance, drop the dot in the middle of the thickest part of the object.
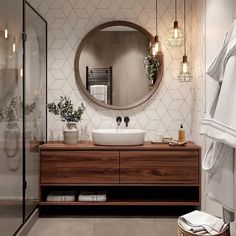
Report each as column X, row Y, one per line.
column 65, row 109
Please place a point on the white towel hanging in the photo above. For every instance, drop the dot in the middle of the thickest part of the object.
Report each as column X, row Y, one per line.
column 99, row 92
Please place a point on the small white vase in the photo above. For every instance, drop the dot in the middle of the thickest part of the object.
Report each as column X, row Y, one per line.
column 12, row 139
column 71, row 133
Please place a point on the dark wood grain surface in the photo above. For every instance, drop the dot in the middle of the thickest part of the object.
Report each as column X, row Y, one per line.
column 88, row 145
column 75, row 167
column 159, row 167
column 123, row 202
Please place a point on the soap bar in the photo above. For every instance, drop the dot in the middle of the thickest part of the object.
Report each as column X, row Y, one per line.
column 177, row 143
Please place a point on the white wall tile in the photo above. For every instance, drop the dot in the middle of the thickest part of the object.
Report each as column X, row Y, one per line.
column 70, row 20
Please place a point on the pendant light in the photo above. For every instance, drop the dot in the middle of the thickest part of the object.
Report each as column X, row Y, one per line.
column 6, row 33
column 175, row 35
column 14, row 45
column 155, row 46
column 184, row 73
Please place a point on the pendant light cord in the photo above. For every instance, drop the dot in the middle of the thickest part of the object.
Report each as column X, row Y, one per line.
column 175, row 10
column 185, row 45
column 156, row 19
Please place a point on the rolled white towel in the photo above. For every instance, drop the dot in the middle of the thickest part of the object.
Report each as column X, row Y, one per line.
column 54, row 196
column 69, row 196
column 58, row 196
column 92, row 197
column 101, row 197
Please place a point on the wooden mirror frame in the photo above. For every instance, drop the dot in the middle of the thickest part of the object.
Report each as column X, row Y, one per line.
column 78, row 54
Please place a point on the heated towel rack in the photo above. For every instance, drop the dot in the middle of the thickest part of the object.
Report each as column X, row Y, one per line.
column 100, row 76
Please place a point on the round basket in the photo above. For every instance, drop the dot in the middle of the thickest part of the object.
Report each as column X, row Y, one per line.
column 182, row 232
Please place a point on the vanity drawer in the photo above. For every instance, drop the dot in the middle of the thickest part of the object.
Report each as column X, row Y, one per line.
column 159, row 167
column 83, row 167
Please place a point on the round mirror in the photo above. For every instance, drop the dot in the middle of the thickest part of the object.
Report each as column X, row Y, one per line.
column 114, row 68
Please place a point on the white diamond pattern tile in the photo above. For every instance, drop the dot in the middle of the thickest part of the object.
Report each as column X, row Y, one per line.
column 59, row 34
column 58, row 43
column 58, row 3
column 67, row 28
column 129, row 13
column 58, row 23
column 66, row 49
column 58, row 13
column 80, row 4
column 67, row 8
column 58, row 84
column 58, row 75
column 152, row 114
column 104, row 4
column 43, row 8
column 70, row 20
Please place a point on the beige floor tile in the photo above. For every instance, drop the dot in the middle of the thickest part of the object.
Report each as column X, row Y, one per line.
column 125, row 220
column 125, row 228
column 62, row 227
column 104, row 227
column 166, row 227
column 8, row 226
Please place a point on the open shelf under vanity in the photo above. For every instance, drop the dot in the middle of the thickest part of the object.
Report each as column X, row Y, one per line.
column 131, row 195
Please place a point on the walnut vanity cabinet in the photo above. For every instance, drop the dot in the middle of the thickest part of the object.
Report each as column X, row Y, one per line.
column 150, row 174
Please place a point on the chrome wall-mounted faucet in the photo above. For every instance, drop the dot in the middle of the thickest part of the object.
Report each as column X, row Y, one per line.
column 118, row 120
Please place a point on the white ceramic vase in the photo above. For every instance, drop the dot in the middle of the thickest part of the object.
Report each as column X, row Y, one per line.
column 12, row 139
column 71, row 133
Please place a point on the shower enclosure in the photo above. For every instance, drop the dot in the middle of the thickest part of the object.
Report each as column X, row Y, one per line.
column 23, row 73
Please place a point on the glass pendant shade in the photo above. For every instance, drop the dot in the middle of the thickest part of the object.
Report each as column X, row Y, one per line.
column 155, row 46
column 175, row 36
column 176, row 29
column 184, row 72
column 14, row 46
column 5, row 33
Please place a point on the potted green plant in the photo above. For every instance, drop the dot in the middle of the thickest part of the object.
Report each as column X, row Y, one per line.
column 65, row 109
column 151, row 64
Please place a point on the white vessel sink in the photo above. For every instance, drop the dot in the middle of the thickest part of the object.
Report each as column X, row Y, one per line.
column 118, row 136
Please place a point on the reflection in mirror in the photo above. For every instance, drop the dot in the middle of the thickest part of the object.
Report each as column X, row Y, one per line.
column 114, row 67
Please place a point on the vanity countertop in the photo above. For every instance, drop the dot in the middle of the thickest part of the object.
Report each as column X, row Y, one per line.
column 89, row 145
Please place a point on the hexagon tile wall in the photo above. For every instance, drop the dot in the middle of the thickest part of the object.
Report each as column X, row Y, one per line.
column 70, row 20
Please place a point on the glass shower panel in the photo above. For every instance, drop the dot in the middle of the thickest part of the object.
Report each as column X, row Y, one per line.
column 35, row 100
column 11, row 123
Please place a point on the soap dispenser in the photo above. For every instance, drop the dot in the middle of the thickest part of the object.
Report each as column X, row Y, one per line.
column 181, row 134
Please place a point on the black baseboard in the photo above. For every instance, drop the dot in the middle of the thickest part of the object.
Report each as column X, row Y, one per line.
column 114, row 211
